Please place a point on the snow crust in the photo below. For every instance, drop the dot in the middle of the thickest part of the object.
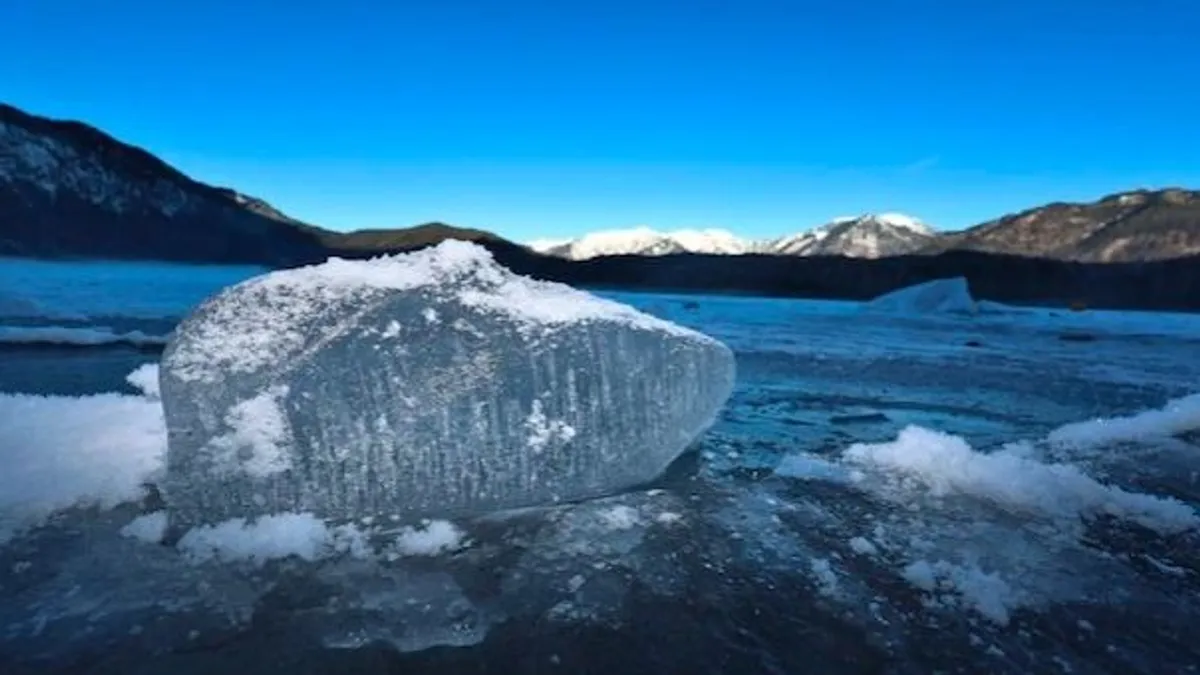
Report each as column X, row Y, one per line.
column 274, row 317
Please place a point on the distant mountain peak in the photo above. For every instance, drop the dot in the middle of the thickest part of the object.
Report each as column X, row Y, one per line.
column 891, row 219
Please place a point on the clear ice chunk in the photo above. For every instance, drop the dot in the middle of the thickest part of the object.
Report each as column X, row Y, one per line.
column 430, row 384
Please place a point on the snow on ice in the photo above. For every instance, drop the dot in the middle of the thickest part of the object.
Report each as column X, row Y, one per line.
column 1176, row 417
column 61, row 452
column 145, row 380
column 433, row 537
column 946, row 464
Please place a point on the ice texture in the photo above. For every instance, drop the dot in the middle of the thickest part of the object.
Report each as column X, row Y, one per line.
column 940, row 296
column 430, row 384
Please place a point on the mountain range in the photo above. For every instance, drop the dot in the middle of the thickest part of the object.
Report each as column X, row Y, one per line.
column 69, row 190
column 865, row 236
column 1132, row 226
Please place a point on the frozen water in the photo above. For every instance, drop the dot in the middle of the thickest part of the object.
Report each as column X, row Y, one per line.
column 17, row 306
column 431, row 383
column 940, row 296
column 82, row 289
column 991, row 536
column 78, row 336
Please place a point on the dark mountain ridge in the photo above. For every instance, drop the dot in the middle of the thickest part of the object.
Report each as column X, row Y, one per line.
column 70, row 190
column 1135, row 226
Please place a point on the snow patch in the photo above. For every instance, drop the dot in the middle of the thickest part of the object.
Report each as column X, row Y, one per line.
column 952, row 585
column 434, row 537
column 149, row 528
column 272, row 537
column 259, row 434
column 1176, row 417
column 276, row 317
column 544, row 431
column 620, row 517
column 145, row 380
column 62, row 451
column 944, row 464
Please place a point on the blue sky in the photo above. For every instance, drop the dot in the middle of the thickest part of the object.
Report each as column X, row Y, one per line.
column 552, row 118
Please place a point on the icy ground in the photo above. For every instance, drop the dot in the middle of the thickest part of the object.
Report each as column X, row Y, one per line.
column 1009, row 493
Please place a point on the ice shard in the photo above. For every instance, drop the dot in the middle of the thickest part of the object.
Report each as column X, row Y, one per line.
column 434, row 383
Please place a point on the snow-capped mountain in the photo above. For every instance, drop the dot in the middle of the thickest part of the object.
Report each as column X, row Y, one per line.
column 866, row 236
column 642, row 241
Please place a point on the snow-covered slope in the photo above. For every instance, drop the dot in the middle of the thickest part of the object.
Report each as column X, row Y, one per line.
column 867, row 236
column 68, row 189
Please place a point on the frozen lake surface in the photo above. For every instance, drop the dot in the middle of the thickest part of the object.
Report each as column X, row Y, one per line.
column 1010, row 493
